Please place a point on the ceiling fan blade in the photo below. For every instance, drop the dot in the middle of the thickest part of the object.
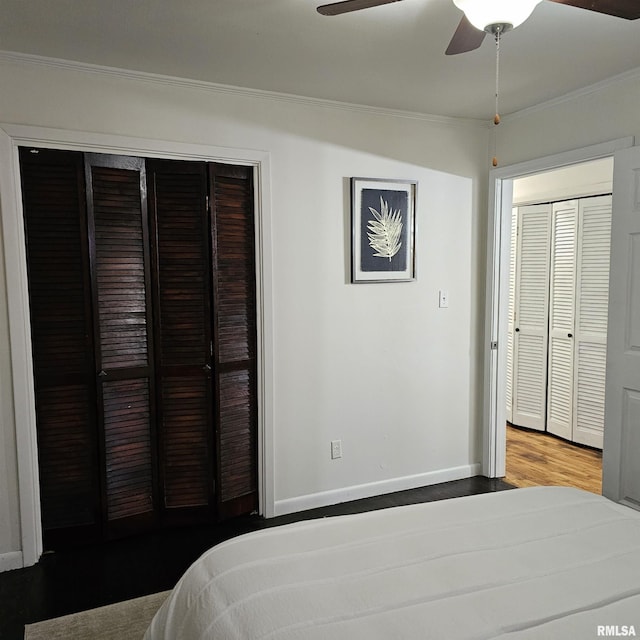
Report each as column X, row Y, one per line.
column 346, row 6
column 628, row 9
column 466, row 38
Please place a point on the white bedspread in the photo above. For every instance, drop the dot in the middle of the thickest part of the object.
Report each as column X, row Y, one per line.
column 546, row 562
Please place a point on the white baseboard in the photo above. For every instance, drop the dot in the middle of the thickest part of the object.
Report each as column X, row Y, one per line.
column 11, row 560
column 336, row 496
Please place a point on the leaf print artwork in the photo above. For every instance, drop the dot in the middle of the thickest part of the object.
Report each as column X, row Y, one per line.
column 385, row 231
column 383, row 218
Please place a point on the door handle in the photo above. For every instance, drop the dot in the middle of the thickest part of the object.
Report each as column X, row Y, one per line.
column 102, row 374
column 569, row 335
column 207, row 367
column 517, row 329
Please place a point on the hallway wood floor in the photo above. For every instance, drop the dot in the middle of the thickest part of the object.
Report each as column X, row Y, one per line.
column 535, row 458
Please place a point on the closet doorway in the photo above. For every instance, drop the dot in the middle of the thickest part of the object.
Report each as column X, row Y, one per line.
column 143, row 314
column 558, row 304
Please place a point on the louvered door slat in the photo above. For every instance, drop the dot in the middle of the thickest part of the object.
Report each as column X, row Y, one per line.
column 182, row 264
column 117, row 222
column 235, row 270
column 128, row 449
column 234, row 337
column 186, row 414
column 67, row 457
column 531, row 309
column 236, row 435
column 561, row 318
column 55, row 261
column 595, row 238
column 182, row 234
column 591, row 361
column 560, row 392
column 120, row 267
column 57, row 264
column 592, row 307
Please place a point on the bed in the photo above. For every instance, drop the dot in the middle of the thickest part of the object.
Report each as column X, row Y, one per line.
column 543, row 562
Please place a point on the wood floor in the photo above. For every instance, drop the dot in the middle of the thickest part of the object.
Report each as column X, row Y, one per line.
column 535, row 458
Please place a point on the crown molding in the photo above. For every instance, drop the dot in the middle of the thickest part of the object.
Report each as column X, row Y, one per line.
column 217, row 88
column 632, row 75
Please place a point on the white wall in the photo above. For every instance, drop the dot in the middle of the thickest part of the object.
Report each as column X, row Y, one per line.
column 604, row 112
column 378, row 366
column 576, row 181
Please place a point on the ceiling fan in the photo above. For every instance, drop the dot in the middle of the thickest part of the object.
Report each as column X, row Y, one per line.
column 488, row 16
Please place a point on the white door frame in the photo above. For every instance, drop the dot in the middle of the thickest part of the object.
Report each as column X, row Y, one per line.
column 497, row 287
column 13, row 136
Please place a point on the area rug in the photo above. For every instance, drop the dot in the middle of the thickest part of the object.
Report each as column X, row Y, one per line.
column 126, row 620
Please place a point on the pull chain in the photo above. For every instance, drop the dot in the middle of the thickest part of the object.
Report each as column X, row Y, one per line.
column 496, row 118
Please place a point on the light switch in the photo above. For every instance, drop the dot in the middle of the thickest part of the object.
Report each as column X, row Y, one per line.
column 443, row 299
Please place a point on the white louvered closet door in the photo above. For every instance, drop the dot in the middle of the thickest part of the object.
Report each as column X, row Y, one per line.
column 531, row 308
column 512, row 306
column 561, row 318
column 592, row 305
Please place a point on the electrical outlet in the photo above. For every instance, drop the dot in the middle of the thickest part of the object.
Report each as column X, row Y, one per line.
column 443, row 299
column 336, row 449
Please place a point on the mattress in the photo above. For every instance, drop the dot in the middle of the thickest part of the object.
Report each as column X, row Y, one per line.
column 543, row 562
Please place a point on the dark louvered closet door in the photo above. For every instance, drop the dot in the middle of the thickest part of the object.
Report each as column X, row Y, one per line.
column 124, row 364
column 233, row 240
column 177, row 199
column 143, row 317
column 58, row 270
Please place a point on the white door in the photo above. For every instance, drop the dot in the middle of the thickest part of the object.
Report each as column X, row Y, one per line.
column 592, row 303
column 531, row 310
column 561, row 318
column 621, row 460
column 512, row 307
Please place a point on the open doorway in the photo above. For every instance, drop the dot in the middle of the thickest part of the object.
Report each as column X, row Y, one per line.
column 499, row 245
column 557, row 326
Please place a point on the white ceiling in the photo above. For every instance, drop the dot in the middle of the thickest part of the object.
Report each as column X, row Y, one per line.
column 390, row 56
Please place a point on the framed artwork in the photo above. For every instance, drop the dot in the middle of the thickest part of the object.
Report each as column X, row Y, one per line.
column 383, row 216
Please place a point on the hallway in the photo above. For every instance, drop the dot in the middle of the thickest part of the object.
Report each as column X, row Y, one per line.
column 536, row 458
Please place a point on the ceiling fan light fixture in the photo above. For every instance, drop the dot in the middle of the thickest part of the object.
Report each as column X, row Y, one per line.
column 484, row 14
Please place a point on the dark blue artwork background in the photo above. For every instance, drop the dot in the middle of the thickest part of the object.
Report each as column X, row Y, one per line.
column 395, row 200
